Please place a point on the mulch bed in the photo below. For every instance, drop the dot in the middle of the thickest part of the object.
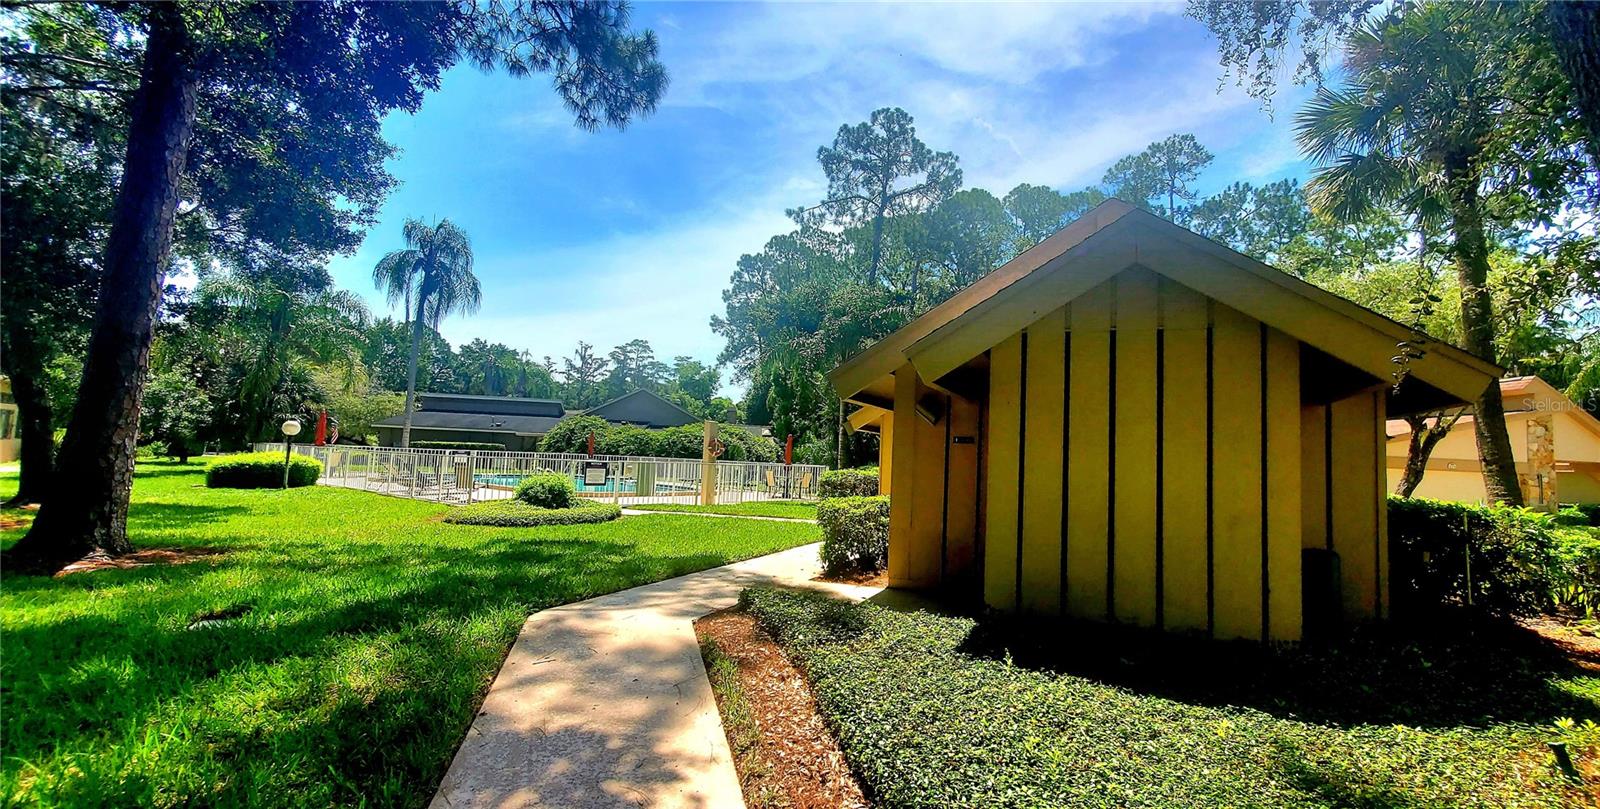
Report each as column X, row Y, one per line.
column 1576, row 639
column 796, row 761
column 144, row 558
column 876, row 579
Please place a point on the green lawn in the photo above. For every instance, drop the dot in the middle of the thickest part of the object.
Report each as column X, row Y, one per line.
column 793, row 509
column 366, row 634
column 945, row 711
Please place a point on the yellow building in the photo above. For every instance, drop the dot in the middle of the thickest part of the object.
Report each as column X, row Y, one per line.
column 1556, row 444
column 10, row 445
column 1132, row 423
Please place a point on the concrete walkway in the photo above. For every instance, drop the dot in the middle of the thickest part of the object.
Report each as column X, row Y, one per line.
column 636, row 512
column 605, row 702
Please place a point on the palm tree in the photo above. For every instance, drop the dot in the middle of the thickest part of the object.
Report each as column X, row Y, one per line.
column 1424, row 124
column 321, row 326
column 435, row 269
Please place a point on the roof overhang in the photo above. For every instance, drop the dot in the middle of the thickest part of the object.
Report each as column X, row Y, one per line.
column 1115, row 237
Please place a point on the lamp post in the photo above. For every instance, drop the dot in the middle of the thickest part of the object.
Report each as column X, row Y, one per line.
column 291, row 428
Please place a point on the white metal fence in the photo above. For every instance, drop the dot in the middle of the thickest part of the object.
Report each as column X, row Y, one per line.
column 469, row 476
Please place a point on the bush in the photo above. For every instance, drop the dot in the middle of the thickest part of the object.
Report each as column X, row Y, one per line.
column 465, row 445
column 1515, row 566
column 855, row 533
column 861, row 482
column 626, row 439
column 1590, row 512
column 260, row 470
column 571, row 434
column 548, row 490
column 517, row 514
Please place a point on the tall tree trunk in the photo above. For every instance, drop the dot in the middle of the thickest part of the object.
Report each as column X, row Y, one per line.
column 1471, row 255
column 35, row 426
column 877, row 249
column 86, row 509
column 411, row 373
column 1424, row 437
column 1575, row 33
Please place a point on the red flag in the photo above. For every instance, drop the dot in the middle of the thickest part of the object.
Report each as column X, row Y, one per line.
column 322, row 428
column 788, row 450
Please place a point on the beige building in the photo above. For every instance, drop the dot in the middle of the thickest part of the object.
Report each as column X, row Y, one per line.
column 1555, row 441
column 10, row 445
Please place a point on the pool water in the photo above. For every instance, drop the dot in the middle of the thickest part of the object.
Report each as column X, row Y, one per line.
column 628, row 484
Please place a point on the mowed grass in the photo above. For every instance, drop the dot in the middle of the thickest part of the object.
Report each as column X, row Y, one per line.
column 936, row 711
column 350, row 639
column 792, row 509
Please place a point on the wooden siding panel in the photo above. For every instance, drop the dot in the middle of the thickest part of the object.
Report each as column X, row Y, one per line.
column 961, row 503
column 1041, row 519
column 1357, row 487
column 1088, row 447
column 1184, row 461
column 1284, row 514
column 1000, row 534
column 902, row 486
column 927, row 504
column 1134, row 554
column 1313, row 476
column 1236, row 499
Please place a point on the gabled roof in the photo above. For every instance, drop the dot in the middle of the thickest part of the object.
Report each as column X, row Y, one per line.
column 501, row 405
column 1113, row 237
column 1554, row 401
column 612, row 410
column 472, row 422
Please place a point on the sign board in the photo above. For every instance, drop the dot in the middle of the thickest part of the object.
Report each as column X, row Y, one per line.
column 594, row 473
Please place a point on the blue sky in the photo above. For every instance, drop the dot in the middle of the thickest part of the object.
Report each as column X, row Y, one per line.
column 610, row 236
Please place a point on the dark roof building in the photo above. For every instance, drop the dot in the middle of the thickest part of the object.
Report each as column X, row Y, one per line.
column 644, row 409
column 512, row 422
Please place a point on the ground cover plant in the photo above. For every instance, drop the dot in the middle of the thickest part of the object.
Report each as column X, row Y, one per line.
column 791, row 509
column 513, row 513
column 951, row 711
column 332, row 654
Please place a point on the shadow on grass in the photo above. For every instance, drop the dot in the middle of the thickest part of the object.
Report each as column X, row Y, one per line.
column 1448, row 673
column 415, row 589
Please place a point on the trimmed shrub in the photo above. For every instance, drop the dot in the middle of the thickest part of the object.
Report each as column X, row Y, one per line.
column 1515, row 566
column 466, row 445
column 571, row 434
column 260, row 470
column 862, row 482
column 548, row 490
column 517, row 514
column 687, row 441
column 626, row 439
column 855, row 533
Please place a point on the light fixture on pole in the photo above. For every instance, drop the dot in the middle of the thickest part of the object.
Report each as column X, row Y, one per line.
column 291, row 428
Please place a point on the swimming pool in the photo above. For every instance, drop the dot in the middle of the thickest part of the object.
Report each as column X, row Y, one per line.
column 629, row 485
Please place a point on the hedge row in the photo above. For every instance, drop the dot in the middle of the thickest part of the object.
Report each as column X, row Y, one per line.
column 855, row 533
column 571, row 434
column 517, row 514
column 482, row 446
column 260, row 470
column 1523, row 562
column 861, row 482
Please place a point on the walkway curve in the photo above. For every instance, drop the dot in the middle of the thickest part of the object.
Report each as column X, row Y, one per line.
column 605, row 702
